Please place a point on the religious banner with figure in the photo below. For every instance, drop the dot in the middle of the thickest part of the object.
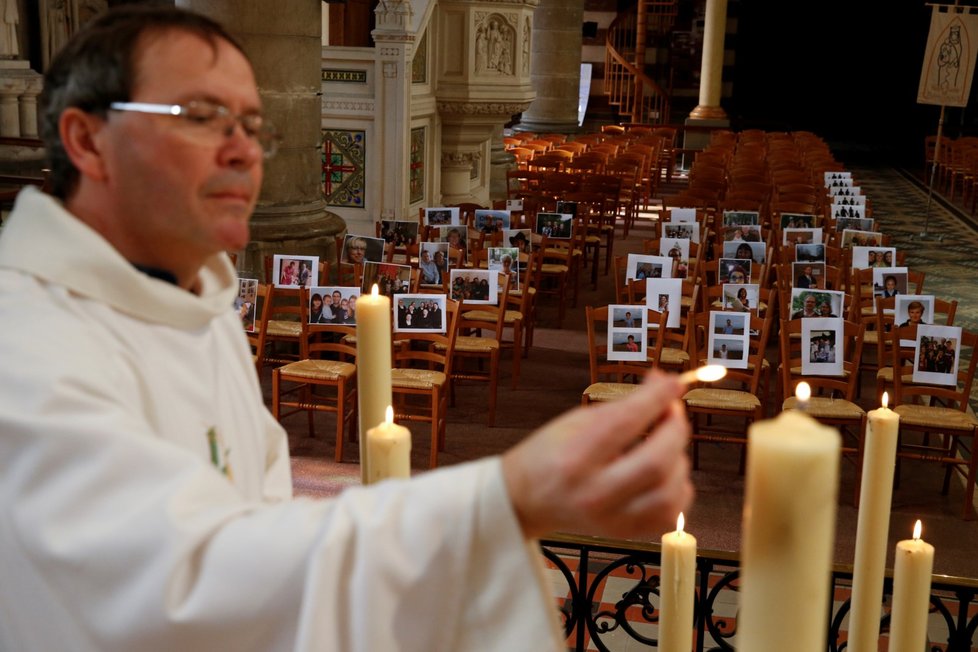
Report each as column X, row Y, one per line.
column 949, row 60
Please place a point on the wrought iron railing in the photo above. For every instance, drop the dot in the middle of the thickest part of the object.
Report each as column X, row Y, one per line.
column 592, row 616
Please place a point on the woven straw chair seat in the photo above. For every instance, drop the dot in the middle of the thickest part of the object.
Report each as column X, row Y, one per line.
column 560, row 252
column 871, row 337
column 796, row 371
column 593, row 239
column 886, row 374
column 554, row 268
column 319, row 369
column 283, row 328
column 486, row 316
column 604, row 392
column 673, row 357
column 417, row 378
column 823, row 407
column 937, row 418
column 471, row 344
column 722, row 399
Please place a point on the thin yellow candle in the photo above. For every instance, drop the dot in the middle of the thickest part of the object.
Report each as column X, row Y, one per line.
column 704, row 374
column 677, row 590
column 912, row 570
column 389, row 450
column 788, row 534
column 373, row 367
column 875, row 499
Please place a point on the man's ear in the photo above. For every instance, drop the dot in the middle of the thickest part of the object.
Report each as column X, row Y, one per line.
column 80, row 137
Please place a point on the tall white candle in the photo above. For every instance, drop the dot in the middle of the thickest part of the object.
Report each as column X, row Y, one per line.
column 875, row 498
column 374, row 392
column 677, row 590
column 912, row 568
column 389, row 450
column 788, row 534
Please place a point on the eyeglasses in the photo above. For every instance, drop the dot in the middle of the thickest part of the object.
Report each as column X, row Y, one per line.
column 209, row 123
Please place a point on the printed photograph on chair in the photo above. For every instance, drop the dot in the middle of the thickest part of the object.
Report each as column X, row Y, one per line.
column 390, row 279
column 361, row 249
column 433, row 261
column 246, row 303
column 491, row 221
column 295, row 271
column 753, row 251
column 506, row 260
column 639, row 267
column 442, row 216
column 741, row 218
column 554, row 225
column 861, row 238
column 818, row 303
column 889, row 281
column 866, row 257
column 626, row 333
column 821, row 335
column 909, row 309
column 800, row 236
column 419, row 313
column 665, row 295
column 475, row 286
column 936, row 359
column 798, row 221
column 399, row 232
column 729, row 350
column 333, row 305
column 687, row 230
column 741, row 297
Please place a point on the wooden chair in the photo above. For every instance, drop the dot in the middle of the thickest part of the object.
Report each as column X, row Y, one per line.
column 256, row 338
column 613, row 379
column 940, row 411
column 473, row 351
column 422, row 370
column 328, row 361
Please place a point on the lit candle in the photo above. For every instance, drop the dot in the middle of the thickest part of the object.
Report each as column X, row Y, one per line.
column 803, row 394
column 875, row 498
column 705, row 374
column 677, row 590
column 912, row 570
column 788, row 534
column 389, row 450
column 373, row 367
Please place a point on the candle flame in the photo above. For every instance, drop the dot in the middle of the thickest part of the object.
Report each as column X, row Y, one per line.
column 374, row 291
column 803, row 392
column 886, row 399
column 706, row 374
column 916, row 530
column 389, row 415
column 680, row 523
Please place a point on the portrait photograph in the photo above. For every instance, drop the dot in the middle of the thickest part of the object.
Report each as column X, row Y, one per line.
column 820, row 357
column 398, row 232
column 420, row 313
column 741, row 218
column 740, row 297
column 854, row 223
column 491, row 221
column 682, row 215
column 809, row 253
column 627, row 345
column 756, row 252
column 816, row 303
column 665, row 295
column 748, row 232
column 442, row 216
column 798, row 221
column 729, row 323
column 505, row 260
column 858, row 238
column 333, row 305
column 519, row 238
column 246, row 303
column 889, row 281
column 639, row 267
column 627, row 316
column 866, row 257
column 797, row 236
column 475, row 286
column 433, row 262
column 936, row 359
column 909, row 309
column 808, row 275
column 677, row 249
column 390, row 279
column 359, row 249
column 456, row 237
column 554, row 225
column 295, row 271
column 734, row 270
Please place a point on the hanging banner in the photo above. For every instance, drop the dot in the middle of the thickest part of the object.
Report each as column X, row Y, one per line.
column 949, row 60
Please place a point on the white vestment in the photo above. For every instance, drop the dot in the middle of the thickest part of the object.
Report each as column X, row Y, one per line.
column 145, row 490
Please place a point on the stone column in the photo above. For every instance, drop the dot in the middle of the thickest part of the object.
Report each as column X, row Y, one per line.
column 285, row 48
column 10, row 90
column 555, row 67
column 711, row 68
column 28, row 107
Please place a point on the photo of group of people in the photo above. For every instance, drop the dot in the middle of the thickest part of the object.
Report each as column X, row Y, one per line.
column 936, row 359
column 861, row 238
column 333, row 305
column 416, row 313
column 555, row 225
column 360, row 249
column 743, row 233
column 854, row 224
column 442, row 216
column 866, row 257
column 729, row 339
column 807, row 304
column 491, row 221
column 801, row 236
column 475, row 286
column 820, row 337
column 741, row 218
column 798, row 221
column 639, row 267
column 246, row 303
column 399, row 233
column 626, row 333
column 842, row 211
column 295, row 271
column 687, row 230
column 390, row 279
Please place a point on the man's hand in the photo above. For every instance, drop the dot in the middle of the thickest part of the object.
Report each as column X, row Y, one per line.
column 618, row 469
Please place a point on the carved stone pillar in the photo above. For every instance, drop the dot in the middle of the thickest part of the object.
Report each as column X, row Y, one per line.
column 483, row 81
column 394, row 44
column 711, row 68
column 10, row 90
column 19, row 88
column 555, row 67
column 285, row 48
column 28, row 107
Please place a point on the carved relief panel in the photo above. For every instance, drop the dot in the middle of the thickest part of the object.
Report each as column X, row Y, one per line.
column 495, row 44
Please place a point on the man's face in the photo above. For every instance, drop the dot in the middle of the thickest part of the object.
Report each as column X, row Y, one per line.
column 810, row 304
column 172, row 199
column 915, row 314
column 337, row 297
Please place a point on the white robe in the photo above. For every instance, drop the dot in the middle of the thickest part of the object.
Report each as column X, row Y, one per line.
column 119, row 532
